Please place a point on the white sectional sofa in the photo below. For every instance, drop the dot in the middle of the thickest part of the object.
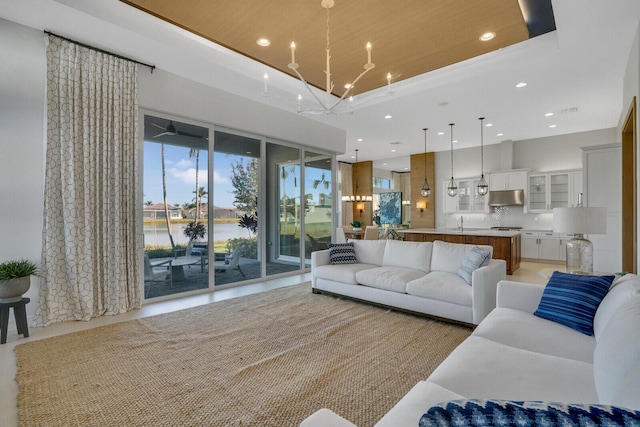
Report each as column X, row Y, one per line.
column 421, row 277
column 516, row 356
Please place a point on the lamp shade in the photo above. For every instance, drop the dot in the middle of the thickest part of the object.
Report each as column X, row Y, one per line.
column 580, row 220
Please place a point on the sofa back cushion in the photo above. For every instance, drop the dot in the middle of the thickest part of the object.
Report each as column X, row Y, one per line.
column 369, row 251
column 416, row 255
column 622, row 289
column 616, row 359
column 449, row 256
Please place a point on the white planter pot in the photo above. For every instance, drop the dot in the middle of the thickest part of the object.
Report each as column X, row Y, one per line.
column 12, row 290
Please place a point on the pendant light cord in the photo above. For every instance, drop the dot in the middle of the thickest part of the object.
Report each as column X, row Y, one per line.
column 451, row 132
column 482, row 147
column 425, row 152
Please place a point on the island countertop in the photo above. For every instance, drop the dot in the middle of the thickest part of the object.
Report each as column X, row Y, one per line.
column 506, row 244
column 465, row 232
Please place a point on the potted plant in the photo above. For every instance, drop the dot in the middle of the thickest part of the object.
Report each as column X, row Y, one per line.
column 195, row 230
column 15, row 279
column 357, row 225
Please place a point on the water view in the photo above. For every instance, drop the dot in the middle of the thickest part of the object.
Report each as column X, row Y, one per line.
column 156, row 234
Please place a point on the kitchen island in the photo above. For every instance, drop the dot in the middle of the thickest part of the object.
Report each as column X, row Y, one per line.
column 506, row 244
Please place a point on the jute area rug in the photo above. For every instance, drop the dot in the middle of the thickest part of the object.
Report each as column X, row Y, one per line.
column 268, row 359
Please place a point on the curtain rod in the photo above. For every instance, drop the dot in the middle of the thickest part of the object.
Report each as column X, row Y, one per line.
column 153, row 67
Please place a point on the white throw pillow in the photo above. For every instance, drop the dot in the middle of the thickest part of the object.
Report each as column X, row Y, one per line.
column 415, row 255
column 447, row 256
column 621, row 290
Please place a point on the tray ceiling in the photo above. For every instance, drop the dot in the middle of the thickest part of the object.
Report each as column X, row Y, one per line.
column 420, row 36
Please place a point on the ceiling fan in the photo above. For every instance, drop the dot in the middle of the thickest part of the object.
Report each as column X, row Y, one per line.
column 171, row 130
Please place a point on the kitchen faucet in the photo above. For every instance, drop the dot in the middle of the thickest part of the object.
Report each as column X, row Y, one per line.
column 461, row 226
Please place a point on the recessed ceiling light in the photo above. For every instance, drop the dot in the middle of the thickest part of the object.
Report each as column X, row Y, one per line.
column 384, row 164
column 388, row 116
column 440, row 133
column 347, row 86
column 263, row 42
column 500, row 134
column 548, row 115
column 553, row 126
column 406, row 169
column 487, row 36
column 455, row 140
column 521, row 84
column 489, row 125
column 394, row 150
column 359, row 139
column 353, row 157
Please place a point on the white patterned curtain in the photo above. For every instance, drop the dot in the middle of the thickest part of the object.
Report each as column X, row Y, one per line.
column 89, row 254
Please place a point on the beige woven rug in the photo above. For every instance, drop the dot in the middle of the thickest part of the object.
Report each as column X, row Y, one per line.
column 269, row 359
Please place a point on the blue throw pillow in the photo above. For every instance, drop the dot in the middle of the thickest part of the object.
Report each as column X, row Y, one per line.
column 504, row 413
column 572, row 299
column 474, row 258
column 342, row 253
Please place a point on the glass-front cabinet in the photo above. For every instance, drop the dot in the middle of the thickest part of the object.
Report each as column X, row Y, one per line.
column 550, row 190
column 467, row 200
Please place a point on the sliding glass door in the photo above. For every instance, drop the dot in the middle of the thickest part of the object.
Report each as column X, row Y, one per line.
column 175, row 211
column 318, row 189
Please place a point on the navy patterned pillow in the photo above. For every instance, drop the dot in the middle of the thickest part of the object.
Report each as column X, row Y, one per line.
column 504, row 413
column 572, row 300
column 342, row 253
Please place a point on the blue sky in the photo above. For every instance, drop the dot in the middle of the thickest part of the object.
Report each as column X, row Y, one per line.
column 181, row 176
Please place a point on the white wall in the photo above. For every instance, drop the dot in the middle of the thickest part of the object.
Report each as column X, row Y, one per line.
column 631, row 89
column 23, row 124
column 22, row 120
column 539, row 155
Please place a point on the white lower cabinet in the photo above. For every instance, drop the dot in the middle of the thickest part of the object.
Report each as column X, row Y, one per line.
column 544, row 245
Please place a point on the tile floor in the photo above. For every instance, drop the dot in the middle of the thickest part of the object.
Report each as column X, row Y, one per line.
column 9, row 387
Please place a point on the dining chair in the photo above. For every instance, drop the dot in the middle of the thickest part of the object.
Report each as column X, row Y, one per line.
column 371, row 233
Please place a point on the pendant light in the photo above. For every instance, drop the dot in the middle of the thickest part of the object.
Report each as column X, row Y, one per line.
column 452, row 189
column 483, row 187
column 356, row 197
column 426, row 190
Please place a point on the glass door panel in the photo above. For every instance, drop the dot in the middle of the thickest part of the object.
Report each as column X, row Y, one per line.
column 318, row 203
column 236, row 186
column 175, row 219
column 284, row 208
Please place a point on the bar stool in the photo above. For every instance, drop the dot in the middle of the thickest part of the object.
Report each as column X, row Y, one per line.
column 19, row 313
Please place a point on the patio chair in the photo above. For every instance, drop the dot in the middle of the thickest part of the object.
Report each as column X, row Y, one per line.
column 160, row 272
column 233, row 263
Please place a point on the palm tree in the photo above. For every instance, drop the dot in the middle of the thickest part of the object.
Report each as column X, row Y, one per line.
column 148, row 203
column 164, row 198
column 200, row 193
column 194, row 152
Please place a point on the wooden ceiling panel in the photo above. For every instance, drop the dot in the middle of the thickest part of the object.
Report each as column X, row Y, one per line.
column 408, row 40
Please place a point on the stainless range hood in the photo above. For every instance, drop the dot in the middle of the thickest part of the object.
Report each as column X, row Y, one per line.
column 506, row 198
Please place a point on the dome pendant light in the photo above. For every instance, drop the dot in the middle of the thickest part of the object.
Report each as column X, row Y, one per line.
column 483, row 187
column 452, row 189
column 426, row 190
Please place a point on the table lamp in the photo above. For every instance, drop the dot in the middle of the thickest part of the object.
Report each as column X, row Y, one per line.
column 580, row 221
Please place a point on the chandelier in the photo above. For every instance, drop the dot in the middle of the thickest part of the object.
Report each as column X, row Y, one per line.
column 329, row 105
column 357, row 197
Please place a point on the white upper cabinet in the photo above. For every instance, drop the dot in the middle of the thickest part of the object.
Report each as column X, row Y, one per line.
column 514, row 180
column 550, row 190
column 467, row 199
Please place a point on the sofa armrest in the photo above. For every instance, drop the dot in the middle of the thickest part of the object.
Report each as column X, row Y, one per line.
column 325, row 418
column 484, row 282
column 318, row 258
column 519, row 295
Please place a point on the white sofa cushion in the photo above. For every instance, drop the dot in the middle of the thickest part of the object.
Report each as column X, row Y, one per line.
column 345, row 273
column 522, row 330
column 616, row 360
column 484, row 369
column 416, row 255
column 448, row 256
column 388, row 278
column 442, row 286
column 370, row 251
column 621, row 290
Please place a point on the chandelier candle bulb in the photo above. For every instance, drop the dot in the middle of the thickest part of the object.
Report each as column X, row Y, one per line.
column 293, row 52
column 368, row 53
